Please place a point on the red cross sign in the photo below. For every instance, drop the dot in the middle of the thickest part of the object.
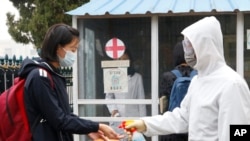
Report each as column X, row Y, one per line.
column 115, row 48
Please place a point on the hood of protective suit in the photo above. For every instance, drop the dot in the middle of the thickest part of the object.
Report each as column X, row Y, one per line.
column 207, row 40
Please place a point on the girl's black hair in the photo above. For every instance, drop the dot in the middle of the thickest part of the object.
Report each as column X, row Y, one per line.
column 131, row 70
column 58, row 34
column 178, row 54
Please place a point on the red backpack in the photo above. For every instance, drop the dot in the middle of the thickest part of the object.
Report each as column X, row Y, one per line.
column 14, row 125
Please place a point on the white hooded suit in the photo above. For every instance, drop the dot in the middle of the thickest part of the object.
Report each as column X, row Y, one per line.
column 217, row 97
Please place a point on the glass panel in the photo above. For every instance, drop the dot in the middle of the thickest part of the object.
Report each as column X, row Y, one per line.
column 170, row 33
column 85, row 110
column 228, row 25
column 89, row 73
column 135, row 34
column 247, row 51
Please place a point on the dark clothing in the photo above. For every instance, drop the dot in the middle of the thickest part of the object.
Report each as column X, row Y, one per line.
column 166, row 84
column 47, row 101
column 174, row 137
column 168, row 79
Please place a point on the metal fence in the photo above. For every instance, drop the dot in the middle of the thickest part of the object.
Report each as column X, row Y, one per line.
column 9, row 68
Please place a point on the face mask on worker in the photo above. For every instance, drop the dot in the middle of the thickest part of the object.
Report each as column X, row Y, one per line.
column 189, row 53
column 68, row 59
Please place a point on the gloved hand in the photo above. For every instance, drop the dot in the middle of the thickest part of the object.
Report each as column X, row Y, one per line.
column 139, row 125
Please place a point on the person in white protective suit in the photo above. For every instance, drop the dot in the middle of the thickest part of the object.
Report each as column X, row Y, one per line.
column 217, row 97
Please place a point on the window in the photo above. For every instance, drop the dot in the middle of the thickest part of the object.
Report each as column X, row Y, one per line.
column 246, row 51
column 135, row 34
column 170, row 33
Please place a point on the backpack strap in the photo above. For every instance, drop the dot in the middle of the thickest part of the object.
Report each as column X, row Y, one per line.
column 193, row 73
column 177, row 73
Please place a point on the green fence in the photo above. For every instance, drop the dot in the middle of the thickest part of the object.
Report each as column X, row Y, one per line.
column 9, row 67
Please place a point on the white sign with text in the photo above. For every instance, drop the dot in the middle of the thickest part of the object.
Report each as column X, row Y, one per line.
column 115, row 80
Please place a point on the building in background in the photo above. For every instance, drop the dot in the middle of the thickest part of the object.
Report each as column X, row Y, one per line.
column 11, row 48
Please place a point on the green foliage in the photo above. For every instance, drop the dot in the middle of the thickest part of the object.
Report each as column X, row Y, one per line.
column 36, row 16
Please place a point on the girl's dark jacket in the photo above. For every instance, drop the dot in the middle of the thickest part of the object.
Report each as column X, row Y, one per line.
column 47, row 104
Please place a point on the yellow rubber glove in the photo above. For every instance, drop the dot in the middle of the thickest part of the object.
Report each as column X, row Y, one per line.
column 139, row 125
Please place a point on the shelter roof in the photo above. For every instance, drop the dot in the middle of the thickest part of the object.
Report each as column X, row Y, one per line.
column 142, row 7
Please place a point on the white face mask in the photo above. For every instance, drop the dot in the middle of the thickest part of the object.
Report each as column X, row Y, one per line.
column 68, row 60
column 189, row 53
